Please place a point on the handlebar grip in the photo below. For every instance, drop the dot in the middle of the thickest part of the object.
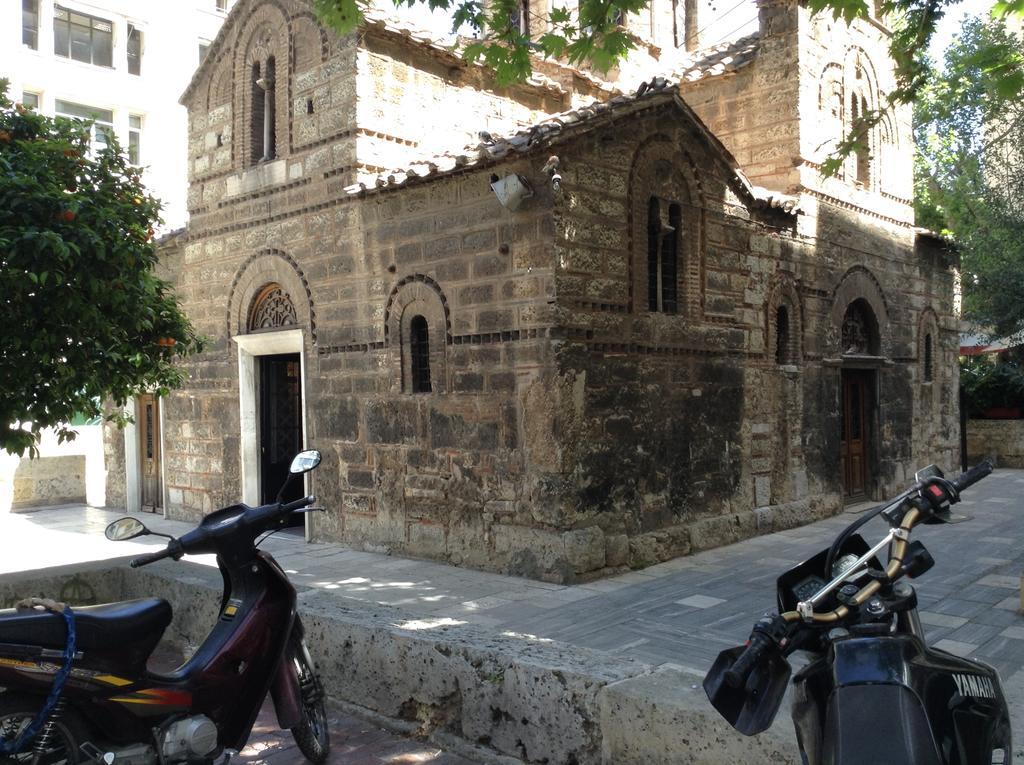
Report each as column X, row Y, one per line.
column 145, row 560
column 973, row 475
column 738, row 673
column 298, row 504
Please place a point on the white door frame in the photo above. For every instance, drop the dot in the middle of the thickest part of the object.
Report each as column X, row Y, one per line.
column 249, row 347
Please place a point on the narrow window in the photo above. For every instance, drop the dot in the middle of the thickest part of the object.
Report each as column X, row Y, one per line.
column 221, row 5
column 256, row 124
column 653, row 254
column 134, row 138
column 204, row 47
column 419, row 355
column 670, row 259
column 82, row 38
column 30, row 100
column 134, row 50
column 928, row 357
column 782, row 335
column 519, row 19
column 858, row 108
column 30, row 23
column 266, row 84
column 663, row 225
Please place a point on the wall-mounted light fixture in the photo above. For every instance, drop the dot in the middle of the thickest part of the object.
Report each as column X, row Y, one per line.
column 511, row 190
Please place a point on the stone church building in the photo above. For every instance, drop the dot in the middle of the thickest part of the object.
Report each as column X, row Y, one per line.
column 582, row 323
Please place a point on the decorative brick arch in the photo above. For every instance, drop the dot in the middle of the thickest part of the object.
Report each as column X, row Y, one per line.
column 417, row 295
column 309, row 42
column 783, row 293
column 858, row 284
column 662, row 169
column 259, row 270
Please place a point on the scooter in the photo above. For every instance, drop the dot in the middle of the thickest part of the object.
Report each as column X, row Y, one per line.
column 113, row 711
column 874, row 691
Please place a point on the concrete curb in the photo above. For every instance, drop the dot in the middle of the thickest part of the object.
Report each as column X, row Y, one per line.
column 502, row 698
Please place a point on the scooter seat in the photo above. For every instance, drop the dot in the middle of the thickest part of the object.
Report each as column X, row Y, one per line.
column 136, row 623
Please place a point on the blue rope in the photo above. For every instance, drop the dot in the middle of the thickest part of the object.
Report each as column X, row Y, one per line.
column 29, row 733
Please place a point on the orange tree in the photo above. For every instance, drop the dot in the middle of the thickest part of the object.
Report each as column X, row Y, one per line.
column 85, row 319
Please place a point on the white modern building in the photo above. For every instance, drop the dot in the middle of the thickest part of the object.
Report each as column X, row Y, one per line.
column 123, row 63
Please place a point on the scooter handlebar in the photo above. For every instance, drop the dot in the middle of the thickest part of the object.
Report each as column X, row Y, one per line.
column 298, row 504
column 173, row 550
column 973, row 475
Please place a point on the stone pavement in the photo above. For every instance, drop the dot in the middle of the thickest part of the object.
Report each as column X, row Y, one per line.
column 680, row 613
column 353, row 742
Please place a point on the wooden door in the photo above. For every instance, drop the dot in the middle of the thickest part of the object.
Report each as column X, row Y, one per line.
column 855, row 439
column 149, row 448
column 280, row 423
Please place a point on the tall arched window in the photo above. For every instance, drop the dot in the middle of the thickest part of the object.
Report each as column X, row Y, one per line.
column 858, row 108
column 419, row 354
column 928, row 372
column 263, row 129
column 664, row 220
column 782, row 341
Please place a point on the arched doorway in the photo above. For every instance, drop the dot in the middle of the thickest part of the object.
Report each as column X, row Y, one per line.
column 858, row 399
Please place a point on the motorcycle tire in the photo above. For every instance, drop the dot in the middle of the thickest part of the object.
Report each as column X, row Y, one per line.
column 312, row 734
column 67, row 733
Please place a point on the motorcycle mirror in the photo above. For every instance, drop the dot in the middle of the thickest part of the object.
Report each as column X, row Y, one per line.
column 126, row 528
column 932, row 471
column 751, row 708
column 304, row 462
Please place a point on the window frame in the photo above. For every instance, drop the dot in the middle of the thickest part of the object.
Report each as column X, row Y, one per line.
column 99, row 126
column 134, row 33
column 135, row 139
column 419, row 355
column 30, row 7
column 68, row 22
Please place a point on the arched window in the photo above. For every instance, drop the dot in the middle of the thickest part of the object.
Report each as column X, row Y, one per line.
column 262, row 127
column 419, row 354
column 928, row 357
column 782, row 341
column 519, row 19
column 862, row 152
column 664, row 220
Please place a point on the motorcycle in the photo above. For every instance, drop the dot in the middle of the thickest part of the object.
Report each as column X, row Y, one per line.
column 114, row 711
column 873, row 690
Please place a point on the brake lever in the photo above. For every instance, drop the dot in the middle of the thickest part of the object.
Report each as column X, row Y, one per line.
column 309, row 510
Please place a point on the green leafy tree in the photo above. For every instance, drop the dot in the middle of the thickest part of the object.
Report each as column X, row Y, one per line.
column 970, row 173
column 85, row 318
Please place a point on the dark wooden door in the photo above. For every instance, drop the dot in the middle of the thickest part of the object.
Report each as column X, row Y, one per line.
column 149, row 447
column 280, row 423
column 856, row 432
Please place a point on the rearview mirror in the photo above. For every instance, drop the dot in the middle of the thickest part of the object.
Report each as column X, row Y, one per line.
column 304, row 462
column 125, row 528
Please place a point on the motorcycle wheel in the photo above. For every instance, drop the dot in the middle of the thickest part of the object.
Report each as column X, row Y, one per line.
column 67, row 734
column 312, row 734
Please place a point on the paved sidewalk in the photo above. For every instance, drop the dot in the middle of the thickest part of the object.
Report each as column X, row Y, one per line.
column 680, row 613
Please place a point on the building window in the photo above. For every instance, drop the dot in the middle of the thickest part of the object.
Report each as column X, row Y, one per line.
column 419, row 354
column 862, row 153
column 221, row 5
column 663, row 224
column 782, row 339
column 134, row 138
column 134, row 50
column 204, row 48
column 30, row 100
column 519, row 19
column 82, row 38
column 30, row 23
column 103, row 120
column 262, row 126
column 928, row 357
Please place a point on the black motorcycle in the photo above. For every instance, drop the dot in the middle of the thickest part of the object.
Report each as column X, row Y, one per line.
column 873, row 692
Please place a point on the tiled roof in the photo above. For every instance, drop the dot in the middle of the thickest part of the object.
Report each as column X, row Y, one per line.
column 719, row 59
column 557, row 127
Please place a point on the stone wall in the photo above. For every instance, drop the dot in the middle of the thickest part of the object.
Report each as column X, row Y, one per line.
column 1002, row 441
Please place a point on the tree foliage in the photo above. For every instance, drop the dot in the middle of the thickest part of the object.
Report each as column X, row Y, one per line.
column 970, row 173
column 85, row 317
